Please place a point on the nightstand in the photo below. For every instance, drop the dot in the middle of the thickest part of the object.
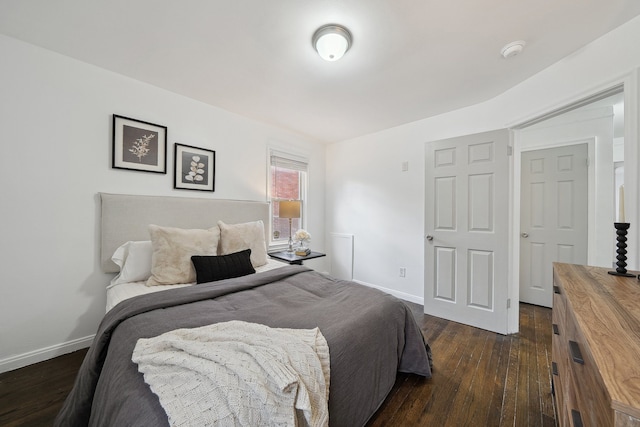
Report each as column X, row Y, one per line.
column 292, row 258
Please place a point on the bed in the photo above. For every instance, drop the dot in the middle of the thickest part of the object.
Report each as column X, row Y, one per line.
column 370, row 335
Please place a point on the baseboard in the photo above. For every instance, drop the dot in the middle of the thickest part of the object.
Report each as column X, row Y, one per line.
column 397, row 294
column 40, row 355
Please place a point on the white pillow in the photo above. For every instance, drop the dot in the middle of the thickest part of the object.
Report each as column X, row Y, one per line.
column 247, row 235
column 134, row 260
column 172, row 251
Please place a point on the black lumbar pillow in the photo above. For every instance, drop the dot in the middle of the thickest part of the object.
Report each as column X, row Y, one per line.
column 211, row 268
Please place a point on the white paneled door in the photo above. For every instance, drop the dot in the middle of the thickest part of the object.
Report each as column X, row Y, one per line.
column 553, row 217
column 467, row 224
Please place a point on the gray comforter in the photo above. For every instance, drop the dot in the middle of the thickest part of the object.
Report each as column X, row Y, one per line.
column 371, row 336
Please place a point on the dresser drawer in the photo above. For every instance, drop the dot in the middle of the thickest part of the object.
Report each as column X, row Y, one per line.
column 591, row 398
column 559, row 309
column 560, row 391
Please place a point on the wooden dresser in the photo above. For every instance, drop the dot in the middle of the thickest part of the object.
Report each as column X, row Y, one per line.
column 596, row 347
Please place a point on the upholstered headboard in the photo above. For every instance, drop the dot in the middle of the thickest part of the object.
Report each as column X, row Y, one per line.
column 126, row 217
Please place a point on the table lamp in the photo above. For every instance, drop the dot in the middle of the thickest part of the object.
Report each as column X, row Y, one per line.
column 290, row 209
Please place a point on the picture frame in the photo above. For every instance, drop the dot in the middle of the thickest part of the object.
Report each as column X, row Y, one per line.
column 194, row 168
column 139, row 145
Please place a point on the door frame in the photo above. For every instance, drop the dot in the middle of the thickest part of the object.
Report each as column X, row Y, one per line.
column 600, row 231
column 630, row 83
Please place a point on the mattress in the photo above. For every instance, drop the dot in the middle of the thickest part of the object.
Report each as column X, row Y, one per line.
column 120, row 292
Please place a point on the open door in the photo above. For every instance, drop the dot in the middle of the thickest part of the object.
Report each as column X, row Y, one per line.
column 467, row 227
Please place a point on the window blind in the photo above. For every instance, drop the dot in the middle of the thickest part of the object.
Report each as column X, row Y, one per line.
column 288, row 163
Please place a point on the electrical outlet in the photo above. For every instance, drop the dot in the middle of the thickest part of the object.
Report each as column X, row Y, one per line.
column 405, row 166
column 403, row 272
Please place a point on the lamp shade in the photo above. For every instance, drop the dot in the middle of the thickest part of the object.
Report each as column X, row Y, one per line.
column 290, row 209
column 331, row 42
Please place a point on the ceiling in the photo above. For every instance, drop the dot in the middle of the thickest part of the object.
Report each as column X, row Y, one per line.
column 409, row 59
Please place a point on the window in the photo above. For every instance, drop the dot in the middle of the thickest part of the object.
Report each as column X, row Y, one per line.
column 287, row 181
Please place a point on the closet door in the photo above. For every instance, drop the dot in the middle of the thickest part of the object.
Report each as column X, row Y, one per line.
column 553, row 217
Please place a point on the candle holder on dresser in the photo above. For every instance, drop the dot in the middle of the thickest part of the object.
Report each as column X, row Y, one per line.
column 621, row 231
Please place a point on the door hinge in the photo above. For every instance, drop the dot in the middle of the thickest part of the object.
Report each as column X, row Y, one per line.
column 508, row 302
column 509, row 150
column 588, row 162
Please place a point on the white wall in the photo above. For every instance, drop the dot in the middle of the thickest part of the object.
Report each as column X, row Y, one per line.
column 383, row 207
column 55, row 131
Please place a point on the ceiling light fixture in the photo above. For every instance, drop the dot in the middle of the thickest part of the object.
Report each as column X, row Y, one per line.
column 512, row 49
column 331, row 41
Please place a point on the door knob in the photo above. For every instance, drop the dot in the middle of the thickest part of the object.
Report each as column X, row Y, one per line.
column 525, row 235
column 429, row 237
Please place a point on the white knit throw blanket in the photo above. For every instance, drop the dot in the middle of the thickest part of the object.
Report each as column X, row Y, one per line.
column 238, row 374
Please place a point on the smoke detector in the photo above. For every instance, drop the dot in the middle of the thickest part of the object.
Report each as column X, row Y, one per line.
column 512, row 49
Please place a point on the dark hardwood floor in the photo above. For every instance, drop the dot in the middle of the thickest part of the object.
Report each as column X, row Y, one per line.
column 33, row 395
column 479, row 379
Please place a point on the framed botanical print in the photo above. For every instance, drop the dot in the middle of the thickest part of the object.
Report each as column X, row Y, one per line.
column 139, row 145
column 195, row 168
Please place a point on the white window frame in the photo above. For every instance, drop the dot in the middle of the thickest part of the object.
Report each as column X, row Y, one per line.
column 304, row 193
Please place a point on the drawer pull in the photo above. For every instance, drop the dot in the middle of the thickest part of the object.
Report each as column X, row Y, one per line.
column 556, row 290
column 577, row 419
column 556, row 331
column 554, row 368
column 576, row 354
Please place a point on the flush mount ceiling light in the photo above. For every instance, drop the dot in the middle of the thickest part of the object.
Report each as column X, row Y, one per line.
column 331, row 41
column 512, row 49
